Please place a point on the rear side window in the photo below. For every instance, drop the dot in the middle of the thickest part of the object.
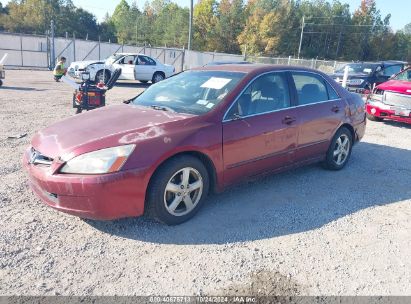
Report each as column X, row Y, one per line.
column 310, row 88
column 332, row 94
column 144, row 60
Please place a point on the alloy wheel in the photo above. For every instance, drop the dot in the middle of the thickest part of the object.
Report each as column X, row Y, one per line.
column 183, row 191
column 341, row 149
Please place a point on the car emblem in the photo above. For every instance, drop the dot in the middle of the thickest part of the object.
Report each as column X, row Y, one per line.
column 33, row 157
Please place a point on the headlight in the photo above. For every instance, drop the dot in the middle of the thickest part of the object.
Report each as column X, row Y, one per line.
column 98, row 162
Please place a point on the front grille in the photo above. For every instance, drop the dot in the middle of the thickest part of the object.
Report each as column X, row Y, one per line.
column 396, row 99
column 36, row 158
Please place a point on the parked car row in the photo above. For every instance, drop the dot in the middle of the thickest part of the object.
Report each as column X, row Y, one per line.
column 197, row 132
column 363, row 76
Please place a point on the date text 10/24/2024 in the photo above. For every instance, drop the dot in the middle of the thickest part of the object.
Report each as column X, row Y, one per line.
column 202, row 299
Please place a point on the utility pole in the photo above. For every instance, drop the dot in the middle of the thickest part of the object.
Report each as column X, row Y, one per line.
column 190, row 26
column 53, row 49
column 301, row 37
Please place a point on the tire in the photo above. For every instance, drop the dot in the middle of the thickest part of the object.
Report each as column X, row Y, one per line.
column 168, row 195
column 339, row 151
column 143, row 81
column 102, row 75
column 1, row 82
column 157, row 77
column 374, row 118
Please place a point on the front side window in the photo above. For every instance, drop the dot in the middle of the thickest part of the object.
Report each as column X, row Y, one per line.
column 266, row 94
column 195, row 92
column 129, row 59
column 310, row 88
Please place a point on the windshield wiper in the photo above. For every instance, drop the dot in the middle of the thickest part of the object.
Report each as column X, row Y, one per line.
column 162, row 108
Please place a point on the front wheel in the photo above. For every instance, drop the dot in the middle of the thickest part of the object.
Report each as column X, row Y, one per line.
column 340, row 150
column 177, row 190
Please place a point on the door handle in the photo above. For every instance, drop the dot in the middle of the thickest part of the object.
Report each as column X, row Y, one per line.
column 335, row 109
column 288, row 120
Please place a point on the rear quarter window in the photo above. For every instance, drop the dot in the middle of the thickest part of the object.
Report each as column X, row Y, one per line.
column 310, row 88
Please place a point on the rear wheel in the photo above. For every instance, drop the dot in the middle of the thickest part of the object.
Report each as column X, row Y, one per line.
column 158, row 76
column 102, row 76
column 340, row 150
column 177, row 190
column 1, row 82
column 143, row 81
column 374, row 118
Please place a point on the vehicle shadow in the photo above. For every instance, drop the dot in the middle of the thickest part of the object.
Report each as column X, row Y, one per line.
column 397, row 124
column 138, row 85
column 20, row 89
column 297, row 201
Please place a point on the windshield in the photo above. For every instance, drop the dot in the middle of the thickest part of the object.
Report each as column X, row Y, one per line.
column 194, row 92
column 405, row 75
column 363, row 68
column 113, row 58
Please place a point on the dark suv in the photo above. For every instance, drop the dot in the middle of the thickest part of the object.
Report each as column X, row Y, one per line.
column 363, row 75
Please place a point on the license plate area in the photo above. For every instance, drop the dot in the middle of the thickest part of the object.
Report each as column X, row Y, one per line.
column 401, row 111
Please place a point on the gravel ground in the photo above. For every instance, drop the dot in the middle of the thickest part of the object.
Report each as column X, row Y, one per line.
column 305, row 232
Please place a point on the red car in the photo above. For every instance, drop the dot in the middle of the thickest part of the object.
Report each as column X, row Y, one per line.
column 391, row 100
column 196, row 132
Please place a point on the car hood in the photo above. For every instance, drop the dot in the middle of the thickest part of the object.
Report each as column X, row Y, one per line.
column 399, row 86
column 82, row 64
column 102, row 128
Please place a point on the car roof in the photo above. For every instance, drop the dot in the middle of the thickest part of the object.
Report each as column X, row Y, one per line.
column 385, row 62
column 130, row 54
column 254, row 68
column 227, row 62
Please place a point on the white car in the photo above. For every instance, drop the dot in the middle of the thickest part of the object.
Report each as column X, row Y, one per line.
column 133, row 67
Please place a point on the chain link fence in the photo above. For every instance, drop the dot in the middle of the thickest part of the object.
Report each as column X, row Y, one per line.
column 35, row 51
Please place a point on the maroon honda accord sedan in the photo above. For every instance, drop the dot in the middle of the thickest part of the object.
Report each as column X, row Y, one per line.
column 196, row 132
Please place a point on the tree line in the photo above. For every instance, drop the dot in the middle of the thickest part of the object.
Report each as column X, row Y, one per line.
column 255, row 27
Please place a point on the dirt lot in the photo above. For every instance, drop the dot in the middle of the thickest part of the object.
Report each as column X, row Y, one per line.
column 308, row 231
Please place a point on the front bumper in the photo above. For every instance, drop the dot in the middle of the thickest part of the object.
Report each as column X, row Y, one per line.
column 74, row 74
column 102, row 197
column 381, row 110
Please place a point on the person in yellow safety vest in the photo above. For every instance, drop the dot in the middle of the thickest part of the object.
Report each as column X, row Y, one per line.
column 59, row 70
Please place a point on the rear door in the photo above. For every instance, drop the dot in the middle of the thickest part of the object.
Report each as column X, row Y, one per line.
column 260, row 129
column 145, row 68
column 320, row 111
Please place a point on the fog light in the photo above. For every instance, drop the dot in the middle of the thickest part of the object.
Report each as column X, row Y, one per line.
column 373, row 111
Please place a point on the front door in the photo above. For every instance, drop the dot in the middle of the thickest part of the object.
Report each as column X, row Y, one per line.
column 260, row 129
column 126, row 64
column 145, row 68
column 320, row 111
